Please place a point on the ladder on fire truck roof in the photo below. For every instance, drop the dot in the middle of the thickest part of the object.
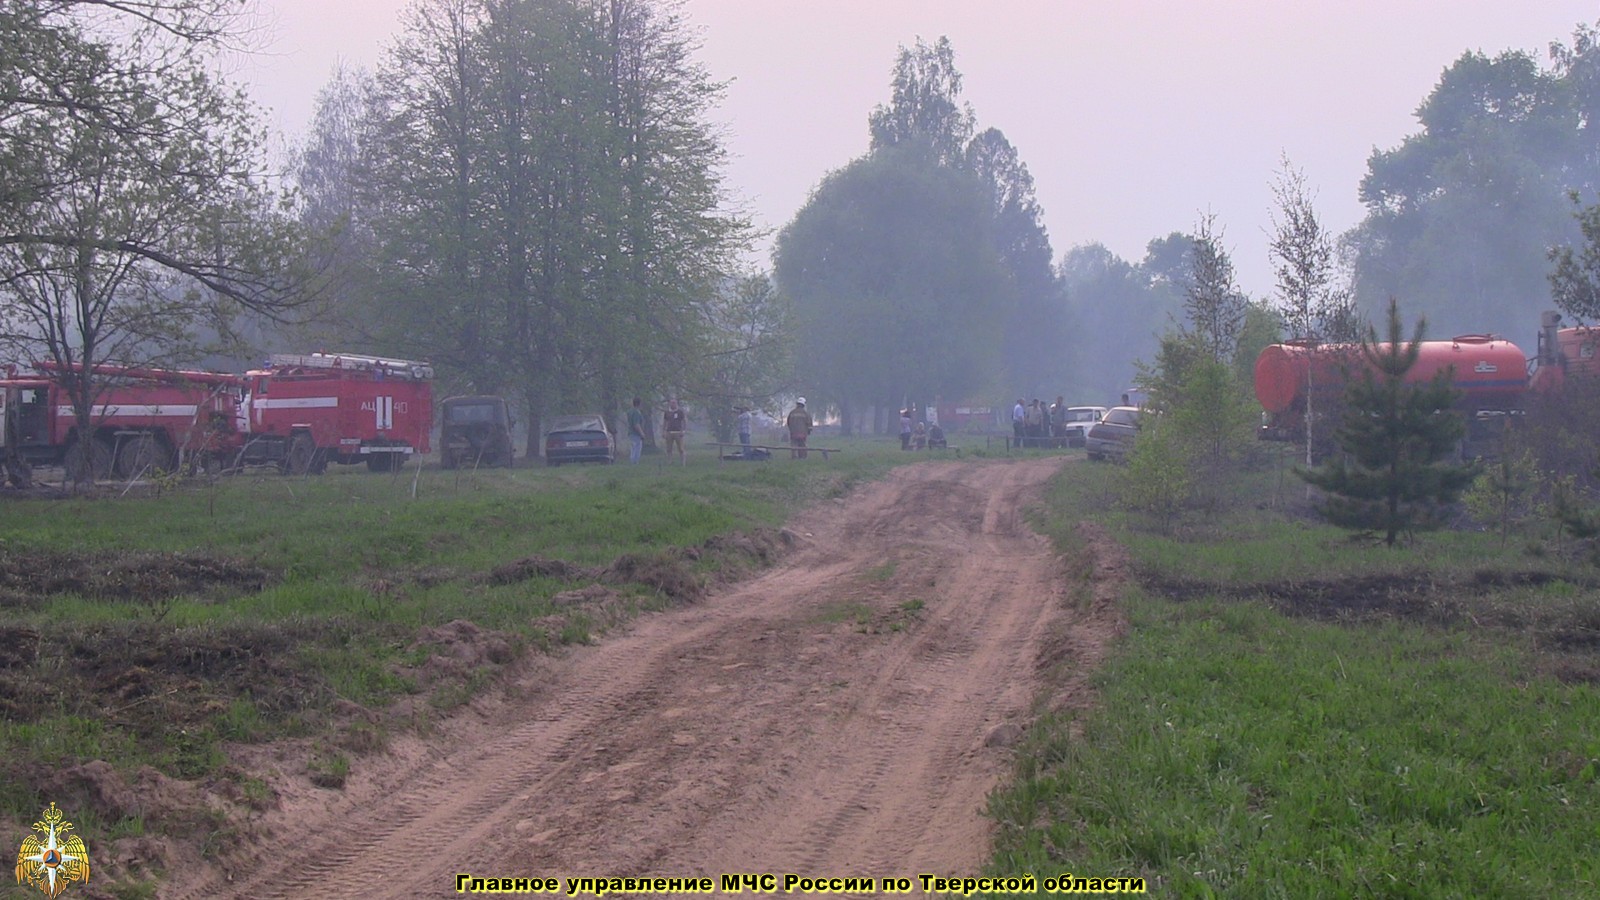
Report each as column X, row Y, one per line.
column 351, row 362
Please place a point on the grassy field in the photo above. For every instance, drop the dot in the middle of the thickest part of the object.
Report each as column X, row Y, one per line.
column 152, row 631
column 1295, row 713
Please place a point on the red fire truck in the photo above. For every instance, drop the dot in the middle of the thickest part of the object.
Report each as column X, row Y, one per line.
column 299, row 412
column 303, row 411
column 143, row 420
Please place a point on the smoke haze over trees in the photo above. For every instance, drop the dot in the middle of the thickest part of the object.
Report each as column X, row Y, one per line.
column 528, row 193
column 922, row 270
column 1461, row 215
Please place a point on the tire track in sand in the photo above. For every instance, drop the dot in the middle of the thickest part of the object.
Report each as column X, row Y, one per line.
column 828, row 718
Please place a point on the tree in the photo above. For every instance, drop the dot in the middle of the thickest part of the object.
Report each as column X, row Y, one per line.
column 1460, row 215
column 135, row 220
column 897, row 288
column 1204, row 406
column 751, row 353
column 1575, row 279
column 1396, row 472
column 1215, row 307
column 1037, row 349
column 925, row 111
column 1314, row 310
column 1117, row 311
column 545, row 196
column 332, row 169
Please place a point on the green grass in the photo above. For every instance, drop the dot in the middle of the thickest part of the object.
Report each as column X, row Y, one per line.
column 1434, row 734
column 154, row 630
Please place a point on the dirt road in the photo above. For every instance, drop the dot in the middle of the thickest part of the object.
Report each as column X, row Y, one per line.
column 844, row 714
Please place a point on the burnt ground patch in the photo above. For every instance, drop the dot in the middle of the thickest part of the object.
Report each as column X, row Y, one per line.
column 28, row 578
column 1412, row 596
column 1563, row 628
column 149, row 680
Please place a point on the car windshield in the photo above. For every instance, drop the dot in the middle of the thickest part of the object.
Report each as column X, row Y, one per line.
column 1083, row 415
column 471, row 413
column 577, row 423
column 1123, row 417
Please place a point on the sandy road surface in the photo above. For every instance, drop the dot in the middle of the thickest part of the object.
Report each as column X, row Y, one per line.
column 833, row 717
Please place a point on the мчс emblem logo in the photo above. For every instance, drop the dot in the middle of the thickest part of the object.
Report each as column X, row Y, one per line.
column 51, row 859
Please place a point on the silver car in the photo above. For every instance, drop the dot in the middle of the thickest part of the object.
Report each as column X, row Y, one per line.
column 1113, row 435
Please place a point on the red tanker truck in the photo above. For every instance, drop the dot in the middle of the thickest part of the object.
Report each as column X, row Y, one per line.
column 1490, row 372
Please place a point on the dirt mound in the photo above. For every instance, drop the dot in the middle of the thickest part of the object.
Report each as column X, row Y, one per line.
column 680, row 575
column 533, row 567
column 459, row 648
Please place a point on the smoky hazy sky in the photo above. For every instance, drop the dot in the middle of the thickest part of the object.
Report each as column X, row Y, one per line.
column 1135, row 117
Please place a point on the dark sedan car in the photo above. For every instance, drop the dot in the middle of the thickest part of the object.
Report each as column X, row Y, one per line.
column 582, row 438
column 1113, row 435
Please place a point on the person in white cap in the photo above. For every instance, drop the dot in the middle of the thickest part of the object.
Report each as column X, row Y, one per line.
column 799, row 423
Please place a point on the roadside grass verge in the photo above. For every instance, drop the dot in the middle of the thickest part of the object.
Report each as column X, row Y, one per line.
column 154, row 631
column 1295, row 713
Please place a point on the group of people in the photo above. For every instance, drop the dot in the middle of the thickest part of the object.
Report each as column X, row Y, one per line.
column 798, row 424
column 920, row 436
column 674, row 424
column 1039, row 423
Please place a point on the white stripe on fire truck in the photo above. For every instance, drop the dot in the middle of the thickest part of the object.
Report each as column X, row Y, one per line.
column 152, row 409
column 298, row 403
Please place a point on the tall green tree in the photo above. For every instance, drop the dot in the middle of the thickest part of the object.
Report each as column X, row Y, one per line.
column 544, row 191
column 1575, row 273
column 136, row 220
column 925, row 111
column 751, row 354
column 1398, row 470
column 895, row 283
column 948, row 325
column 1461, row 214
column 1038, row 355
column 1212, row 299
column 1315, row 310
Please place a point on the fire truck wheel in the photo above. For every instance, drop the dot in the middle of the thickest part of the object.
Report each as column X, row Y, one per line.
column 99, row 455
column 302, row 455
column 142, row 456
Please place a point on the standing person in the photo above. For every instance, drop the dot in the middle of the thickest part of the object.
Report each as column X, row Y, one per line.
column 799, row 423
column 744, row 430
column 1030, row 428
column 1060, row 418
column 1046, row 424
column 673, row 426
column 905, row 429
column 635, row 431
column 1019, row 414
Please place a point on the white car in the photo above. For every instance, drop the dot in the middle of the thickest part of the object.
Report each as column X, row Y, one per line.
column 1077, row 421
